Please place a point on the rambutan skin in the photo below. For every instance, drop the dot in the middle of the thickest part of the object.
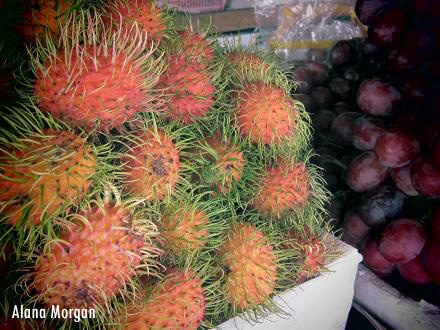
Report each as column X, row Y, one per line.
column 99, row 258
column 178, row 303
column 251, row 264
column 196, row 47
column 91, row 89
column 311, row 252
column 285, row 188
column 265, row 113
column 229, row 163
column 148, row 17
column 152, row 168
column 243, row 62
column 190, row 87
column 185, row 230
column 41, row 16
column 51, row 170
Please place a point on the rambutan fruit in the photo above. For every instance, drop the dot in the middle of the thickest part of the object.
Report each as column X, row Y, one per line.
column 226, row 162
column 286, row 187
column 245, row 63
column 151, row 166
column 95, row 77
column 312, row 250
column 99, row 252
column 185, row 229
column 43, row 16
column 149, row 18
column 251, row 266
column 186, row 226
column 177, row 302
column 265, row 114
column 196, row 46
column 190, row 87
column 43, row 173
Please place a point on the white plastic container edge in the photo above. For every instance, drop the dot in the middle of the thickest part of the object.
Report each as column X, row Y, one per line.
column 318, row 304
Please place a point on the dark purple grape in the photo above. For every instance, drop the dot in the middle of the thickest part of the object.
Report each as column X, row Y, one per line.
column 307, row 100
column 388, row 28
column 340, row 88
column 352, row 75
column 367, row 10
column 341, row 130
column 377, row 98
column 323, row 119
column 319, row 72
column 401, row 60
column 322, row 96
column 340, row 107
column 381, row 205
column 341, row 53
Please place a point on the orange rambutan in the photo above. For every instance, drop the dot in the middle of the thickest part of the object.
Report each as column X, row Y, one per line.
column 178, row 302
column 250, row 264
column 185, row 229
column 42, row 16
column 45, row 172
column 286, row 187
column 227, row 161
column 265, row 113
column 149, row 19
column 189, row 84
column 96, row 257
column 92, row 78
column 152, row 165
column 196, row 46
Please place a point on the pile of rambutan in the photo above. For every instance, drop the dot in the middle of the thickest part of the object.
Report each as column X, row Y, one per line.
column 152, row 176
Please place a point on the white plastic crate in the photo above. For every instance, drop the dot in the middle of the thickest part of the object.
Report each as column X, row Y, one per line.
column 391, row 307
column 321, row 303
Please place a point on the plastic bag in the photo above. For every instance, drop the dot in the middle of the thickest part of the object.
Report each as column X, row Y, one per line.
column 294, row 28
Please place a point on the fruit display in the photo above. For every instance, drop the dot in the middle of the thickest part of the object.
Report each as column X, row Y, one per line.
column 374, row 107
column 149, row 174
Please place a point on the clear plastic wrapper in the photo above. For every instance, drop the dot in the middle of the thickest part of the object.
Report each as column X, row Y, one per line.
column 304, row 29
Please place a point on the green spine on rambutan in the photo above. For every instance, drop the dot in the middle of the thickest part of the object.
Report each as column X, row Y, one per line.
column 255, row 280
column 192, row 80
column 102, row 77
column 106, row 299
column 150, row 158
column 71, row 172
column 208, row 166
column 246, row 70
column 191, row 224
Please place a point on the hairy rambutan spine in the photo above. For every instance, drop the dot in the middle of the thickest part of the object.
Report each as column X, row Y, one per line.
column 145, row 13
column 44, row 16
column 150, row 163
column 101, row 251
column 46, row 170
column 94, row 76
column 192, row 223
